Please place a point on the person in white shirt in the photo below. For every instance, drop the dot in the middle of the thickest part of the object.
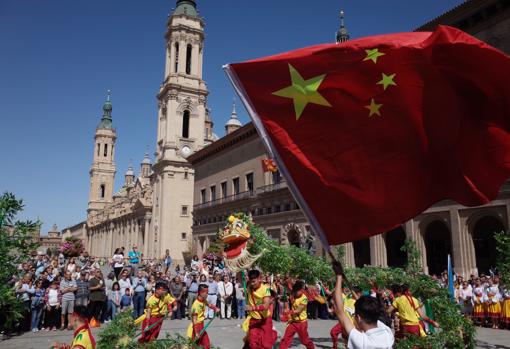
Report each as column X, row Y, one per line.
column 124, row 282
column 118, row 262
column 466, row 299
column 225, row 290
column 370, row 332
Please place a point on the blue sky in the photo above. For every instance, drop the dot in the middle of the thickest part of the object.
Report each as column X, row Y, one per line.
column 58, row 58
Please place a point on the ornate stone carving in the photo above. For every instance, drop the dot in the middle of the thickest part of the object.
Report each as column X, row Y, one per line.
column 172, row 94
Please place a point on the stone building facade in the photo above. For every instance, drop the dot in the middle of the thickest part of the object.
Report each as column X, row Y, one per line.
column 229, row 178
column 153, row 209
column 51, row 241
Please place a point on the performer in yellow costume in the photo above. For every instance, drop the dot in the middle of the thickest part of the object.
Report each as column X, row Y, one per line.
column 195, row 329
column 158, row 305
column 298, row 319
column 259, row 323
column 83, row 338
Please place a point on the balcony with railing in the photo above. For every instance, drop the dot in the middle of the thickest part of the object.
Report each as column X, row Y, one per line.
column 243, row 195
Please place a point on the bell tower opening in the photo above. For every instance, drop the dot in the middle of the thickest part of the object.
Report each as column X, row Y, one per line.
column 189, row 50
column 185, row 124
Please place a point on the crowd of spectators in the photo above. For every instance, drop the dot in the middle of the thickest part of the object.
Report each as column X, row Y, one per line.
column 50, row 287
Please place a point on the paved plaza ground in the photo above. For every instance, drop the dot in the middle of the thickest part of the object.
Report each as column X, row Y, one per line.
column 228, row 334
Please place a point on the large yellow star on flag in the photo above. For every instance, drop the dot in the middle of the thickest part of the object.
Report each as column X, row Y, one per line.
column 303, row 91
column 374, row 108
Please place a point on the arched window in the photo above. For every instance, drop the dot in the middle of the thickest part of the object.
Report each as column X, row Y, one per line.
column 188, row 59
column 105, row 150
column 185, row 124
column 176, row 67
column 102, row 191
column 98, row 148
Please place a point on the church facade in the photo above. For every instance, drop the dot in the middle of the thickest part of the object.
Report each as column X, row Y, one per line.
column 153, row 209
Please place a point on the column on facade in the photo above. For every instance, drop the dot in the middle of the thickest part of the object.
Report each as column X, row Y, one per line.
column 195, row 59
column 198, row 245
column 168, row 60
column 414, row 233
column 462, row 245
column 349, row 255
column 135, row 232
column 182, row 56
column 146, row 238
column 378, row 255
column 200, row 57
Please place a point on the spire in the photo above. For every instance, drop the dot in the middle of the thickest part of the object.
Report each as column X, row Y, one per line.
column 233, row 123
column 186, row 7
column 146, row 159
column 130, row 171
column 106, row 120
column 342, row 35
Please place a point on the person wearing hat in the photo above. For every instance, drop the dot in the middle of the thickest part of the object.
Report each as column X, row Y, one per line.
column 198, row 311
column 158, row 305
column 83, row 338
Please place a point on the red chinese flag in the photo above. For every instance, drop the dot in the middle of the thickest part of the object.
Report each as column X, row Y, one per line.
column 371, row 132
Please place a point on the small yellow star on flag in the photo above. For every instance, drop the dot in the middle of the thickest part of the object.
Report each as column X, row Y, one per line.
column 374, row 108
column 373, row 55
column 387, row 80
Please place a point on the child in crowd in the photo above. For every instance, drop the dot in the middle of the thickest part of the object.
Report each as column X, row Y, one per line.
column 114, row 299
column 53, row 301
column 126, row 300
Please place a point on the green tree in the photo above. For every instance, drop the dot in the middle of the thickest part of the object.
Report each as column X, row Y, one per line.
column 503, row 257
column 413, row 265
column 16, row 245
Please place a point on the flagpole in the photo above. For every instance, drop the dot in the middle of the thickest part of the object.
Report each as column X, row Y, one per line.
column 266, row 140
column 450, row 278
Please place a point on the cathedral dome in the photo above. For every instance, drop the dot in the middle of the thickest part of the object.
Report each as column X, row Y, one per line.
column 186, row 7
column 130, row 171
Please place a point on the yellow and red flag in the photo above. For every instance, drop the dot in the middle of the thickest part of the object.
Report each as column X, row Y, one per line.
column 371, row 132
column 268, row 165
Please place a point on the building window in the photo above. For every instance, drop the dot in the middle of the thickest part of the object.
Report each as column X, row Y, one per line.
column 102, row 191
column 269, row 210
column 185, row 124
column 277, row 208
column 202, row 196
column 249, row 182
column 223, row 189
column 105, row 150
column 287, row 207
column 176, row 68
column 188, row 59
column 184, row 210
column 185, row 174
column 184, row 236
column 235, row 185
column 213, row 193
column 98, row 148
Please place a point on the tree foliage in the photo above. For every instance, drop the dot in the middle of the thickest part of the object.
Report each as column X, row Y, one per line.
column 456, row 331
column 503, row 257
column 122, row 333
column 16, row 245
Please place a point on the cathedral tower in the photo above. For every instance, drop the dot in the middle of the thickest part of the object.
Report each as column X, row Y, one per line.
column 102, row 171
column 182, row 125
